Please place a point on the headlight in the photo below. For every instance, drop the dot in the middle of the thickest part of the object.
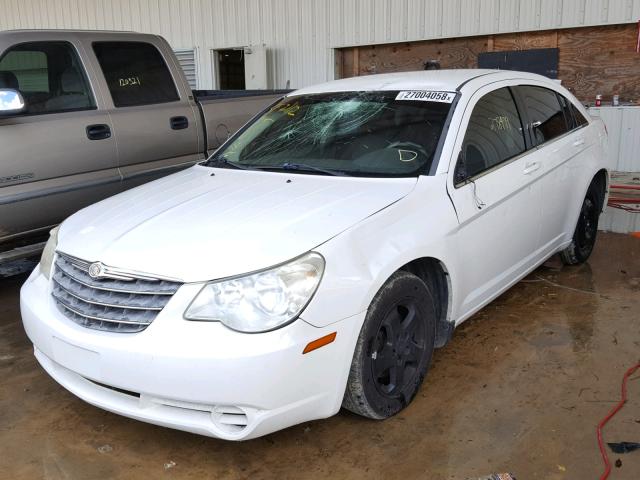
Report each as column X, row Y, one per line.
column 49, row 250
column 261, row 301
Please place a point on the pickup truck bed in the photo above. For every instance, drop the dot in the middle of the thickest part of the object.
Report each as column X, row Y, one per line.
column 225, row 111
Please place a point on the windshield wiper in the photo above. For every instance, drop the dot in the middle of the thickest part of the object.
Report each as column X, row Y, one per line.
column 285, row 166
column 303, row 167
column 224, row 161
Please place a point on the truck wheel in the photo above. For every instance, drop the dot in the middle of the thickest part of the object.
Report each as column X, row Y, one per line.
column 394, row 348
column 584, row 236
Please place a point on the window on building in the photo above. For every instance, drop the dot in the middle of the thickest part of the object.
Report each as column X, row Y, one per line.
column 231, row 69
column 494, row 134
column 48, row 75
column 136, row 73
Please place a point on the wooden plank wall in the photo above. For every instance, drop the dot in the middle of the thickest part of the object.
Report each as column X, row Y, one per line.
column 593, row 60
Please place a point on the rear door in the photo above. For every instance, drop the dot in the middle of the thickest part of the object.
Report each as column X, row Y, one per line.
column 496, row 196
column 59, row 155
column 155, row 119
column 555, row 148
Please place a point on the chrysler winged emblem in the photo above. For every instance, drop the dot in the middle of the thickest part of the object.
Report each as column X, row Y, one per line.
column 96, row 270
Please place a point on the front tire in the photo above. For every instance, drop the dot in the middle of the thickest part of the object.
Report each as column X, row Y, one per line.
column 584, row 236
column 394, row 348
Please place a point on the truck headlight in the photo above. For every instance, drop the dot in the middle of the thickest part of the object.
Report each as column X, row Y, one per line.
column 260, row 301
column 49, row 251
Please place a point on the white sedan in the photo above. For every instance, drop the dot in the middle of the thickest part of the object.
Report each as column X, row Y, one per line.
column 318, row 257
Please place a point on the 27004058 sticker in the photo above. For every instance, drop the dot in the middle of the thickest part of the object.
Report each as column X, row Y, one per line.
column 426, row 96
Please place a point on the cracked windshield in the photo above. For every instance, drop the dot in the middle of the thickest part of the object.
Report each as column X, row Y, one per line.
column 386, row 134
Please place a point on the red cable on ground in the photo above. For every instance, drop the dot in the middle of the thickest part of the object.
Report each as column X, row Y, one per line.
column 614, row 410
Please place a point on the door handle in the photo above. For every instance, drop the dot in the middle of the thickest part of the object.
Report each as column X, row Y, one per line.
column 178, row 123
column 98, row 132
column 578, row 142
column 531, row 167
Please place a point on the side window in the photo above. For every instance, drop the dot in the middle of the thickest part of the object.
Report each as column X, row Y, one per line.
column 494, row 134
column 136, row 73
column 546, row 118
column 568, row 114
column 48, row 75
column 579, row 118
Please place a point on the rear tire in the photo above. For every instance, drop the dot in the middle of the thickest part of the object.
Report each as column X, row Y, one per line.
column 584, row 236
column 394, row 348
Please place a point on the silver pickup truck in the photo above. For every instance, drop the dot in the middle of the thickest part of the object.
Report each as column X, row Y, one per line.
column 87, row 114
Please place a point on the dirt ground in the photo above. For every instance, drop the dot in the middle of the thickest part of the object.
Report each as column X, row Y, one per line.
column 519, row 389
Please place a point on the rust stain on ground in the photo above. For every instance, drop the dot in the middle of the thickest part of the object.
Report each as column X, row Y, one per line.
column 520, row 388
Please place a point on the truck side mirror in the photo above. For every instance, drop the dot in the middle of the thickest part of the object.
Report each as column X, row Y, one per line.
column 11, row 101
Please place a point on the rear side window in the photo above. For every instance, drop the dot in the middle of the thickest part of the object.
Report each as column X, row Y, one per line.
column 578, row 117
column 136, row 73
column 545, row 115
column 568, row 114
column 49, row 76
column 494, row 134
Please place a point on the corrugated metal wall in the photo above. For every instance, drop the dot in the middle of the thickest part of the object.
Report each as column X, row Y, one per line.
column 623, row 126
column 302, row 33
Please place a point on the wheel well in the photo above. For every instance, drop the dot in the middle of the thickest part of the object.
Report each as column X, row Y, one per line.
column 600, row 183
column 433, row 272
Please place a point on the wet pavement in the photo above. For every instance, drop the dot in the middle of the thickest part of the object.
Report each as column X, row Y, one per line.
column 519, row 389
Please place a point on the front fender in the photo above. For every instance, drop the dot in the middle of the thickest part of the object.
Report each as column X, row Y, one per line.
column 362, row 258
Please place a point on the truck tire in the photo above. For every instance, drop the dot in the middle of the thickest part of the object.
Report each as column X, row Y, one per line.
column 584, row 236
column 394, row 348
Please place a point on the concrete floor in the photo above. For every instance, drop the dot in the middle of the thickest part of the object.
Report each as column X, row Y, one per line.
column 520, row 388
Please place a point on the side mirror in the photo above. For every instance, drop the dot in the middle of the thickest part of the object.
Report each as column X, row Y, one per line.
column 460, row 172
column 11, row 101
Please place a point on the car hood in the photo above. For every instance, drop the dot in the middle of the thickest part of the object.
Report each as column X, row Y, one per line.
column 204, row 223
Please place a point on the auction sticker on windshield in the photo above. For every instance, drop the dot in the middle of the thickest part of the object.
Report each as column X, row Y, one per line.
column 426, row 96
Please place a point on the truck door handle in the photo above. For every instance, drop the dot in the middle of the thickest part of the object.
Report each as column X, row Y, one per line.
column 578, row 142
column 531, row 167
column 178, row 123
column 98, row 132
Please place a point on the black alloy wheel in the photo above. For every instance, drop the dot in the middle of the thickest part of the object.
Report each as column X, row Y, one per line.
column 394, row 348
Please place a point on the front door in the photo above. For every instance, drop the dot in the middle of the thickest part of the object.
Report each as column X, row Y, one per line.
column 496, row 196
column 59, row 155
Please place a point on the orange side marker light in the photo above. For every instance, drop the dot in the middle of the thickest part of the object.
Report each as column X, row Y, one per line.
column 320, row 342
column 635, row 234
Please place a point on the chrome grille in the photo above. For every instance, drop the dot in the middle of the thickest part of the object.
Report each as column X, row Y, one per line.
column 123, row 303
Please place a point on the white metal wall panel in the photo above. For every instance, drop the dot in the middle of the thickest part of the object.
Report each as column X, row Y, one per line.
column 187, row 60
column 451, row 19
column 302, row 33
column 623, row 125
column 619, row 221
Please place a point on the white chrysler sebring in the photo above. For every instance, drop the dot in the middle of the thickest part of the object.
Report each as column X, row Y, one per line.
column 317, row 258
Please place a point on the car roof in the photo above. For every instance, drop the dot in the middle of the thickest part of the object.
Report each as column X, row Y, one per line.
column 440, row 80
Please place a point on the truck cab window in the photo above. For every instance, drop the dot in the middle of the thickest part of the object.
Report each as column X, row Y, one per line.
column 48, row 75
column 494, row 134
column 136, row 73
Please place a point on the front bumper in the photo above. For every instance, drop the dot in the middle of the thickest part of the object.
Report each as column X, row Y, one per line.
column 199, row 377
